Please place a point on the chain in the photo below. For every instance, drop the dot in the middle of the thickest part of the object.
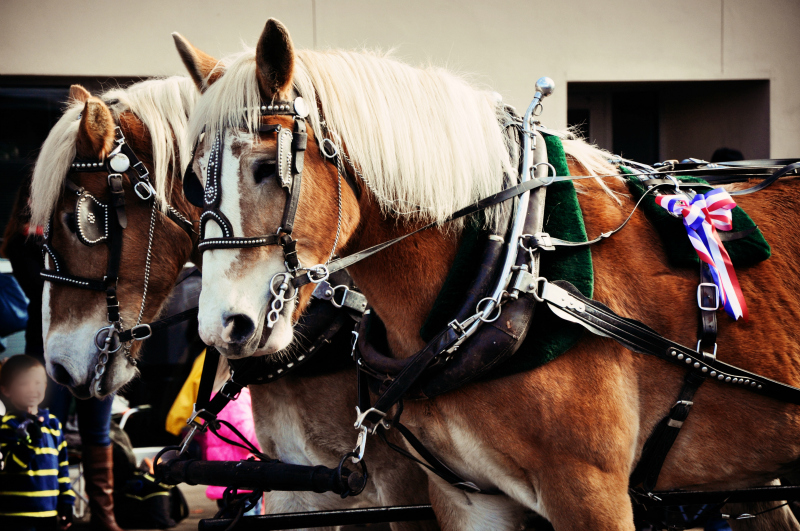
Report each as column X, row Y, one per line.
column 278, row 298
column 339, row 218
column 147, row 263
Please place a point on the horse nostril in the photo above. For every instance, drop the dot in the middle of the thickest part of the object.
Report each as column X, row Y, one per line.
column 238, row 328
column 61, row 375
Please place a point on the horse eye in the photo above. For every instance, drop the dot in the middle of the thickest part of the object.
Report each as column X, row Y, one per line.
column 69, row 221
column 264, row 170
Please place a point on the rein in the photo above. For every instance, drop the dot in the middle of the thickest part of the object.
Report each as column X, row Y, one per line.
column 97, row 222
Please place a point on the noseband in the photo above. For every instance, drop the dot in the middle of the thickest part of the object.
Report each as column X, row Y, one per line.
column 291, row 147
column 96, row 222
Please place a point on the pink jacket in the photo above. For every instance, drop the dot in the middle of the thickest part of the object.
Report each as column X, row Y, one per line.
column 239, row 413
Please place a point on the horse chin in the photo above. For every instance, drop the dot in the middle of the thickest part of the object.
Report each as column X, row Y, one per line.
column 278, row 338
column 118, row 373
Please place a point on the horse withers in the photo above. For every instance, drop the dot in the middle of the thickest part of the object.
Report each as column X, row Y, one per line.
column 563, row 439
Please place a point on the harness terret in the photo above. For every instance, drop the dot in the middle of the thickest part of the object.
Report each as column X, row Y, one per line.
column 96, row 222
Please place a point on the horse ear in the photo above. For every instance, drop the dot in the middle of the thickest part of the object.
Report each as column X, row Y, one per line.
column 199, row 64
column 78, row 94
column 274, row 60
column 96, row 130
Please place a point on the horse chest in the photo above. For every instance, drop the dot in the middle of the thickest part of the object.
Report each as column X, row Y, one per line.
column 280, row 425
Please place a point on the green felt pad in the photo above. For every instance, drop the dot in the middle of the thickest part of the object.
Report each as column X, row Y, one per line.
column 743, row 252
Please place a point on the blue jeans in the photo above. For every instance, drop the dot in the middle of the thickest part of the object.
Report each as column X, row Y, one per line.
column 94, row 415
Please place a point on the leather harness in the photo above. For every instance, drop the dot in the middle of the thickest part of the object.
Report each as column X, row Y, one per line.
column 396, row 379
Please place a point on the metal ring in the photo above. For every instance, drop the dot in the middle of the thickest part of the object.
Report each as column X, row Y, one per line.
column 148, row 188
column 344, row 295
column 553, row 178
column 481, row 312
column 327, row 144
column 316, row 269
column 112, row 331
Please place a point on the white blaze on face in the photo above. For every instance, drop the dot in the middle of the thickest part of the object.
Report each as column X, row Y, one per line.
column 230, row 287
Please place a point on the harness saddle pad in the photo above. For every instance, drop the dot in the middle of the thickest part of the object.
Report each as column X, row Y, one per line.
column 744, row 252
column 549, row 336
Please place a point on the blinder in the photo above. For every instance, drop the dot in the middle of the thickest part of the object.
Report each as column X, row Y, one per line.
column 91, row 219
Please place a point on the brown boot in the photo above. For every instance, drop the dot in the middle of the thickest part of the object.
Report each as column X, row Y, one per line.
column 98, row 471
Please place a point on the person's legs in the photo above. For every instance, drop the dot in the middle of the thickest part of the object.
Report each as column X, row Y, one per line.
column 94, row 423
column 58, row 400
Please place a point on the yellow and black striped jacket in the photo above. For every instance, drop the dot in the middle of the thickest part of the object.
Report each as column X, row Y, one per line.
column 35, row 478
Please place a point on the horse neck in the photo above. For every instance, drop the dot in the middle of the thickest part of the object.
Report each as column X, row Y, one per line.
column 401, row 282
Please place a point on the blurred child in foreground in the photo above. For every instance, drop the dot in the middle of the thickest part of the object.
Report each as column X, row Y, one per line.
column 35, row 491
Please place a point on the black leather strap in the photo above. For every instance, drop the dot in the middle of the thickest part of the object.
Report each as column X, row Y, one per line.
column 144, row 331
column 431, row 462
column 568, row 303
column 660, row 442
column 412, row 370
column 708, row 304
column 495, row 199
column 786, row 170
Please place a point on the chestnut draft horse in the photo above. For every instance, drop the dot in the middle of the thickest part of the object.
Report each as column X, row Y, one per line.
column 291, row 425
column 563, row 439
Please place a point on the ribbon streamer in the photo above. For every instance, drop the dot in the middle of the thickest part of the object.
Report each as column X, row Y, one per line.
column 703, row 215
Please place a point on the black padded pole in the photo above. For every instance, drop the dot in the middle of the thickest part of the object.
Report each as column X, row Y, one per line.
column 251, row 475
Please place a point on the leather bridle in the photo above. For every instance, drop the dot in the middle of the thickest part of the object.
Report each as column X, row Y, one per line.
column 97, row 222
column 289, row 159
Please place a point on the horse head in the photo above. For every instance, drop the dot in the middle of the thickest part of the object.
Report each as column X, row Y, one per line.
column 96, row 232
column 250, row 139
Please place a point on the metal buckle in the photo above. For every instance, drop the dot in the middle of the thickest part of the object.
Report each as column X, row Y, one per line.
column 135, row 335
column 455, row 325
column 705, row 354
column 193, row 422
column 700, row 296
column 223, row 391
column 121, row 139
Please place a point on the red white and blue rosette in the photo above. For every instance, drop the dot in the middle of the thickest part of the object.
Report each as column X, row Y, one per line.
column 703, row 215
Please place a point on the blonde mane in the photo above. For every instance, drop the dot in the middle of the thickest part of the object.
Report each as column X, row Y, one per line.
column 163, row 106
column 424, row 141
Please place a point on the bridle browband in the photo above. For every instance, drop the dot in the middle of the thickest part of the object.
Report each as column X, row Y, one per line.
column 97, row 222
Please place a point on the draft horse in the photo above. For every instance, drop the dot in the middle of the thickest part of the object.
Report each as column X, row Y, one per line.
column 561, row 440
column 151, row 116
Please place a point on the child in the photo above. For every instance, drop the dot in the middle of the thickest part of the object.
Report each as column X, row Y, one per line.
column 35, row 492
